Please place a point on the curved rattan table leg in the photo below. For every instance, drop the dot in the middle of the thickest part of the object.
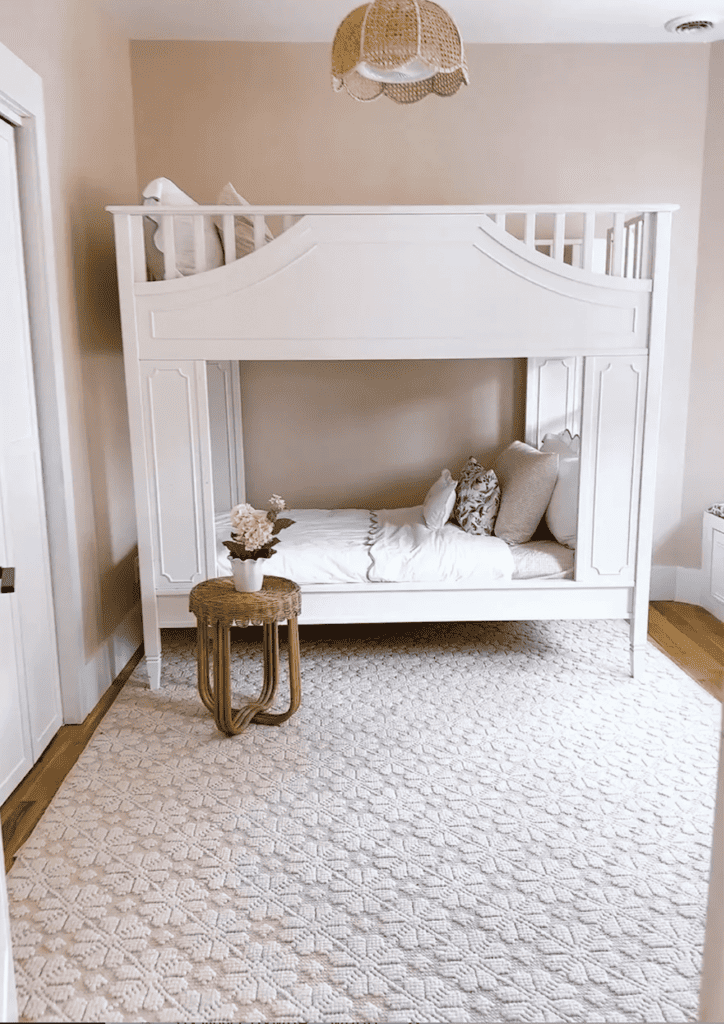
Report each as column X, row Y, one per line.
column 228, row 720
column 222, row 681
column 295, row 686
column 202, row 658
column 241, row 718
column 271, row 663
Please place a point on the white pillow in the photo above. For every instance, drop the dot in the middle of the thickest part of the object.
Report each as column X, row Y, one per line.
column 439, row 501
column 564, row 443
column 562, row 511
column 162, row 192
column 243, row 226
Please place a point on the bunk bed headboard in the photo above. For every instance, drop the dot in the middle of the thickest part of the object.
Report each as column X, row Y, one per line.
column 398, row 283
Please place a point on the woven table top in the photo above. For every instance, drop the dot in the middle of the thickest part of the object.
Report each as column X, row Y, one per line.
column 218, row 599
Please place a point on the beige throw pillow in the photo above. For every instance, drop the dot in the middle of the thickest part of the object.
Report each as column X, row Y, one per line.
column 243, row 226
column 527, row 478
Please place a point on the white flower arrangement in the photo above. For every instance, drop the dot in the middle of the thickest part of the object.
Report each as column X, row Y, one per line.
column 254, row 532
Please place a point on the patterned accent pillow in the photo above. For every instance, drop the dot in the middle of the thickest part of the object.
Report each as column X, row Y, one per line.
column 477, row 499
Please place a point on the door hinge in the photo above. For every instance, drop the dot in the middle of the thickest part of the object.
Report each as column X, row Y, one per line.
column 7, row 581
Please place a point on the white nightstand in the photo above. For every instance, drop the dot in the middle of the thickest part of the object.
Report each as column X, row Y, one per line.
column 712, row 564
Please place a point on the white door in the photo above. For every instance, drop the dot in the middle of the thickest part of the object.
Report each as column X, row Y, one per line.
column 30, row 707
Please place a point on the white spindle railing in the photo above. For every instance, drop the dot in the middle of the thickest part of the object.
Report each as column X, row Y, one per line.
column 229, row 238
column 559, row 227
column 576, row 236
column 199, row 242
column 587, row 244
column 529, row 230
column 169, row 246
column 259, row 230
column 628, row 245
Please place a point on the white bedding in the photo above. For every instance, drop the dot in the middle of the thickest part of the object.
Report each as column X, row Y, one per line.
column 405, row 550
column 323, row 546
column 358, row 546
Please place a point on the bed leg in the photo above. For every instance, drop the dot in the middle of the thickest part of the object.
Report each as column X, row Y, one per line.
column 638, row 661
column 638, row 634
column 153, row 664
column 151, row 638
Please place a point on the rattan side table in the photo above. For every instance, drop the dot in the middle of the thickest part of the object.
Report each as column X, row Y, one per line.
column 217, row 606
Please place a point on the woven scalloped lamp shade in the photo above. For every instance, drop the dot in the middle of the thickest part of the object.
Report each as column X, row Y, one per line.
column 405, row 49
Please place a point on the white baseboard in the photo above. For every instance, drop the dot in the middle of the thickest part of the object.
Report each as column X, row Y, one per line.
column 690, row 585
column 99, row 671
column 678, row 583
column 126, row 639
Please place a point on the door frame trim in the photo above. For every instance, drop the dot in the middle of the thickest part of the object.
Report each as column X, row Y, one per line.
column 21, row 103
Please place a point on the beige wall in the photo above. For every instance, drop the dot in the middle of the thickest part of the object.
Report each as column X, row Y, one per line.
column 538, row 124
column 704, row 476
column 91, row 150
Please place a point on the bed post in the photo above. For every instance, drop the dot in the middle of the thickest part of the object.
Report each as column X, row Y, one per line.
column 131, row 261
column 660, row 259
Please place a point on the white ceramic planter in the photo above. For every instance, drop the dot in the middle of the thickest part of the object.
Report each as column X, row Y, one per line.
column 248, row 574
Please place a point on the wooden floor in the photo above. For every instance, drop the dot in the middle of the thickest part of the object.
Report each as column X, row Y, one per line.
column 690, row 636
column 23, row 809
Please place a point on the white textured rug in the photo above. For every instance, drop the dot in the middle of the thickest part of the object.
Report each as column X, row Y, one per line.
column 462, row 823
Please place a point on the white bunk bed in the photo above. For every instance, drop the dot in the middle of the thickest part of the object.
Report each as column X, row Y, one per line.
column 580, row 292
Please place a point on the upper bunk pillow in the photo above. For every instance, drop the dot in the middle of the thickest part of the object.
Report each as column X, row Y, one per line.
column 162, row 192
column 562, row 511
column 439, row 501
column 565, row 443
column 243, row 226
column 527, row 478
column 477, row 500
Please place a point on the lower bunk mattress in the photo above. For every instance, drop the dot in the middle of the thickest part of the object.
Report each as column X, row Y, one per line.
column 396, row 546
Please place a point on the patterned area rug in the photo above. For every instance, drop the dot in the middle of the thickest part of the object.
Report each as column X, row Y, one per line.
column 461, row 823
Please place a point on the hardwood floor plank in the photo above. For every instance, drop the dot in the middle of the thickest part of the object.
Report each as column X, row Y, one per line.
column 25, row 806
column 698, row 624
column 671, row 630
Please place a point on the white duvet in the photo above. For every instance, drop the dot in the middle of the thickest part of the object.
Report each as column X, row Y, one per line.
column 405, row 550
column 392, row 546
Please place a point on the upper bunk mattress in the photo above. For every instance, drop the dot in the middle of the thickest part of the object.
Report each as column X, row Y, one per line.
column 396, row 546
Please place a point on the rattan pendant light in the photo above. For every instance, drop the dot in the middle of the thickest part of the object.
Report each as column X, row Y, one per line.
column 405, row 49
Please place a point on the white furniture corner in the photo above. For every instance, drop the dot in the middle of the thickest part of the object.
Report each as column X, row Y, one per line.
column 712, row 564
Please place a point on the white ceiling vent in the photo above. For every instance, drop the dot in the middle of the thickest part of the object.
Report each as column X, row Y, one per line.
column 690, row 25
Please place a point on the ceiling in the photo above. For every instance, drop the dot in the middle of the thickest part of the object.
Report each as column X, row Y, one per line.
column 479, row 21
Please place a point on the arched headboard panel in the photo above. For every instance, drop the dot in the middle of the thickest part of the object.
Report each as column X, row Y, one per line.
column 392, row 286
